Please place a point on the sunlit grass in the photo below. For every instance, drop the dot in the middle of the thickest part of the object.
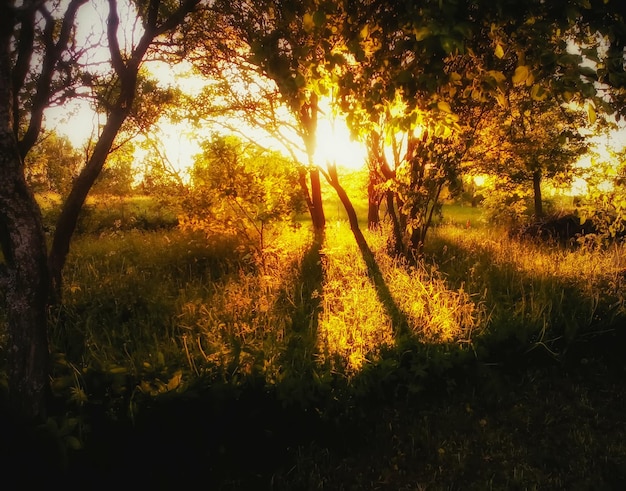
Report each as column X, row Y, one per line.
column 533, row 291
column 353, row 326
column 156, row 302
column 167, row 307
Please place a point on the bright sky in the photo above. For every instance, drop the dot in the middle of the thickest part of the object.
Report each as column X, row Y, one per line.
column 181, row 142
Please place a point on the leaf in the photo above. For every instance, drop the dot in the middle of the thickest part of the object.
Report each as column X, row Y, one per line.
column 174, row 382
column 521, row 74
column 300, row 80
column 307, row 22
column 538, row 93
column 455, row 78
column 497, row 75
column 319, row 18
column 444, row 106
column 591, row 113
column 421, row 33
column 73, row 443
column 501, row 99
column 499, row 52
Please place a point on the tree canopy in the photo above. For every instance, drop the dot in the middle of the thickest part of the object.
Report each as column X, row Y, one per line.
column 428, row 79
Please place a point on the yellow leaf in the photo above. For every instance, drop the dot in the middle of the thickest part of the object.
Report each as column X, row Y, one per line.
column 455, row 78
column 591, row 114
column 421, row 33
column 499, row 52
column 444, row 106
column 497, row 75
column 538, row 93
column 501, row 99
column 307, row 22
column 174, row 382
column 520, row 75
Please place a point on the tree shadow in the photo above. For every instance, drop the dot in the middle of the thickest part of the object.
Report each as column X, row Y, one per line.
column 301, row 346
column 393, row 311
column 530, row 311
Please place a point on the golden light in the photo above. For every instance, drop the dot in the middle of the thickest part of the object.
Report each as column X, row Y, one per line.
column 335, row 145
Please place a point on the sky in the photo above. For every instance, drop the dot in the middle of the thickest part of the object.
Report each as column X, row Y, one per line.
column 181, row 142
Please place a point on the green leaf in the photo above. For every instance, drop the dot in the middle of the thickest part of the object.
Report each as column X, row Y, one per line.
column 300, row 80
column 72, row 442
column 521, row 74
column 448, row 44
column 319, row 18
column 588, row 90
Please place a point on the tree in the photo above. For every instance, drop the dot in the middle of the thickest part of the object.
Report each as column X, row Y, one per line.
column 52, row 164
column 241, row 189
column 40, row 64
column 604, row 202
column 118, row 174
column 290, row 43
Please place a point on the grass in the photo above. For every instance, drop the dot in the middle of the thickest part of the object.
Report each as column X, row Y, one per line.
column 494, row 364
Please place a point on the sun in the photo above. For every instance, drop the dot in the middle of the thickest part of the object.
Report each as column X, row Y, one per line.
column 335, row 145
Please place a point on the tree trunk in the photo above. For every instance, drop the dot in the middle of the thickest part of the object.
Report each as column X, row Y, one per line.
column 66, row 223
column 24, row 274
column 373, row 205
column 333, row 180
column 308, row 120
column 537, row 193
column 398, row 242
column 26, row 285
column 317, row 206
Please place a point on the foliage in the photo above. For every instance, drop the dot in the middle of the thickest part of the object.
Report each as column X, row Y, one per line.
column 605, row 201
column 118, row 175
column 241, row 189
column 53, row 164
column 526, row 144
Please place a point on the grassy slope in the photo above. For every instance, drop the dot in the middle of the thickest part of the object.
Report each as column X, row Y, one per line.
column 510, row 416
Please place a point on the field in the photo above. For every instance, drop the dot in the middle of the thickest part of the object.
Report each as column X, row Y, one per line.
column 181, row 360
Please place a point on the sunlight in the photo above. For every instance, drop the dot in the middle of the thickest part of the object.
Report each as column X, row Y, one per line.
column 336, row 146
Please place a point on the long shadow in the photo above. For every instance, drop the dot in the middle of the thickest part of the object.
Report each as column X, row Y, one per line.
column 395, row 313
column 529, row 312
column 398, row 318
column 302, row 339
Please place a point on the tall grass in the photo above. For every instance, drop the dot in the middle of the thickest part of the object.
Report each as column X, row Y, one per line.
column 154, row 311
column 533, row 291
column 152, row 304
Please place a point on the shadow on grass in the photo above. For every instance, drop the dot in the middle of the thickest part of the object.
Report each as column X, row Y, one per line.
column 301, row 347
column 421, row 414
column 383, row 293
column 529, row 311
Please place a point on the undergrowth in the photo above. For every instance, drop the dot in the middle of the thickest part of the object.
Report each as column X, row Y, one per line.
column 149, row 317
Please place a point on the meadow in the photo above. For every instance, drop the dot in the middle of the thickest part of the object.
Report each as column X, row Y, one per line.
column 178, row 358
